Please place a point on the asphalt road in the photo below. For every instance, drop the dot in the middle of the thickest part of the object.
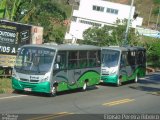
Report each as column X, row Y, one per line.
column 97, row 103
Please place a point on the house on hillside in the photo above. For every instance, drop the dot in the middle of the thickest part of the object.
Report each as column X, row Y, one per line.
column 147, row 32
column 98, row 13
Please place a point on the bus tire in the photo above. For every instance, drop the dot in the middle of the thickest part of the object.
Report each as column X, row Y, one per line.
column 119, row 82
column 84, row 88
column 136, row 79
column 53, row 91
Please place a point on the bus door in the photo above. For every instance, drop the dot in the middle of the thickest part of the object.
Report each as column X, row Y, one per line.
column 131, row 66
column 123, row 66
column 72, row 67
column 60, row 72
column 81, row 65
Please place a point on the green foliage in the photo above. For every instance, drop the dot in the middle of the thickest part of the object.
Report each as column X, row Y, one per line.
column 2, row 8
column 109, row 35
column 5, row 85
column 152, row 46
column 156, row 1
column 154, row 52
column 97, row 36
column 49, row 14
column 156, row 11
column 8, row 9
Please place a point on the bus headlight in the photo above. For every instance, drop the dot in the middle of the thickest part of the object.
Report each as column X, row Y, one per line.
column 14, row 75
column 46, row 77
column 113, row 70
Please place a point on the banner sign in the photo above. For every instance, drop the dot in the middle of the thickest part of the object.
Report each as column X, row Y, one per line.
column 12, row 35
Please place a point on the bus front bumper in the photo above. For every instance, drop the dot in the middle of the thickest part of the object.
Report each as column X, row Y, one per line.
column 109, row 79
column 43, row 87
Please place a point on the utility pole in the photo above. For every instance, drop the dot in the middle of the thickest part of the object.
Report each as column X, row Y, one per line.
column 157, row 18
column 150, row 13
column 128, row 24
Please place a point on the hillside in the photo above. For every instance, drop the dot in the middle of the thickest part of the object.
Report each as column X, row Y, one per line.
column 143, row 8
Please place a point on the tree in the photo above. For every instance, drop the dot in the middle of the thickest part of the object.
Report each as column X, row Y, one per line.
column 2, row 8
column 152, row 46
column 97, row 36
column 156, row 1
column 48, row 14
column 8, row 9
column 109, row 35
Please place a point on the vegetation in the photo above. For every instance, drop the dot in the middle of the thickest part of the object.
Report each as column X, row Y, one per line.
column 156, row 1
column 107, row 35
column 5, row 85
column 110, row 35
column 153, row 52
column 50, row 14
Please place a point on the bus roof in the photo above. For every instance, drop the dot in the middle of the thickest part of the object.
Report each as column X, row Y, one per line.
column 125, row 48
column 66, row 46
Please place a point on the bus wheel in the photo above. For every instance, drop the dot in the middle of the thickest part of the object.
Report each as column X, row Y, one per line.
column 136, row 79
column 85, row 86
column 119, row 82
column 53, row 91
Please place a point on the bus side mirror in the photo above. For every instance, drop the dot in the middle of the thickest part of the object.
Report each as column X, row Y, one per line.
column 58, row 59
column 56, row 66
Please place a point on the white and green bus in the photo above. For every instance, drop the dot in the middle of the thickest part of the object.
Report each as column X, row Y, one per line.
column 54, row 68
column 120, row 64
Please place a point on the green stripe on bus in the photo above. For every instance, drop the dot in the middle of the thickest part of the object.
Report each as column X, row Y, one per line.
column 93, row 77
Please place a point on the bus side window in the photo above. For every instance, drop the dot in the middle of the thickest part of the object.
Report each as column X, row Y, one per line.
column 131, row 58
column 72, row 60
column 61, row 60
column 92, row 58
column 141, row 57
column 124, row 61
column 98, row 57
column 82, row 59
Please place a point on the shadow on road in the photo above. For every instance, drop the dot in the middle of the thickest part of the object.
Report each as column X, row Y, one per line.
column 37, row 94
column 151, row 79
column 145, row 88
column 151, row 84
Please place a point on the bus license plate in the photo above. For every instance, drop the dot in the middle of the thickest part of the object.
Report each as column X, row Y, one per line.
column 27, row 89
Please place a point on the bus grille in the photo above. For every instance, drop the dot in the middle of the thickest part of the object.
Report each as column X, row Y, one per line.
column 24, row 80
column 35, row 81
column 105, row 74
column 27, row 80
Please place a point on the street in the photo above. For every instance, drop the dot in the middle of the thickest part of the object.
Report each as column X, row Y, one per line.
column 95, row 103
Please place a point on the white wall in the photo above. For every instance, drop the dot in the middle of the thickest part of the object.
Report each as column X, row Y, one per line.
column 87, row 13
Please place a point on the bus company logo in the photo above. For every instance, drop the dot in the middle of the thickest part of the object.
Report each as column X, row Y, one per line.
column 34, row 78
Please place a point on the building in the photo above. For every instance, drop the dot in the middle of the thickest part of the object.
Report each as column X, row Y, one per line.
column 98, row 13
column 147, row 32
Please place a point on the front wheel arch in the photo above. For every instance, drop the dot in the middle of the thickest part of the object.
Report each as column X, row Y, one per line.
column 53, row 90
column 84, row 88
column 136, row 78
column 119, row 81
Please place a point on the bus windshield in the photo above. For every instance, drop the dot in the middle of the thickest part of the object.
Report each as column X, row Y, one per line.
column 32, row 60
column 110, row 58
